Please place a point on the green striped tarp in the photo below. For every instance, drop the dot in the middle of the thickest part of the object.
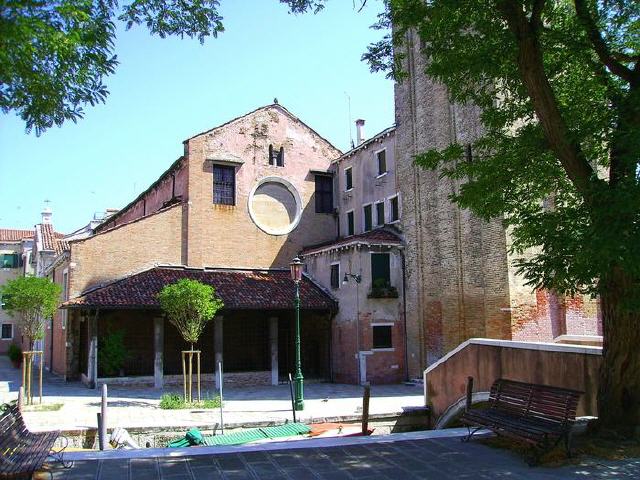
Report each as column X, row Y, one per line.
column 254, row 434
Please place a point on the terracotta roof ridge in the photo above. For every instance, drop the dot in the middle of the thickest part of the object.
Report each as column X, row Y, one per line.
column 15, row 234
column 238, row 289
column 359, row 238
column 110, row 283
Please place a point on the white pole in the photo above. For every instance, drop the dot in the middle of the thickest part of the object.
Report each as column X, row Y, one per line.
column 220, row 383
column 103, row 415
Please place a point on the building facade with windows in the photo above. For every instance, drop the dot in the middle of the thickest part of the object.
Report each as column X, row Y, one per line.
column 15, row 252
column 233, row 211
column 364, row 267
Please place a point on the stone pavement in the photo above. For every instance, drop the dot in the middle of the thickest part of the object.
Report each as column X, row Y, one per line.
column 136, row 407
column 417, row 455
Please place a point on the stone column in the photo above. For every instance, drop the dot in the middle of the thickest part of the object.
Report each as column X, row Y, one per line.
column 158, row 348
column 92, row 364
column 217, row 346
column 273, row 341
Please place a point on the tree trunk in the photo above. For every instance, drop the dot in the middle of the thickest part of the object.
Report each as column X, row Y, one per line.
column 619, row 388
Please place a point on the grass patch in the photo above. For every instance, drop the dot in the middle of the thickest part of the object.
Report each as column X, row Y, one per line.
column 174, row 401
column 45, row 407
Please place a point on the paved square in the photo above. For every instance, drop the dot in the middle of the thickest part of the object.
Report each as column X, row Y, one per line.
column 402, row 456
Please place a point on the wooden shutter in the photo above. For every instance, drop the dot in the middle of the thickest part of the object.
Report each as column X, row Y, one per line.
column 380, row 268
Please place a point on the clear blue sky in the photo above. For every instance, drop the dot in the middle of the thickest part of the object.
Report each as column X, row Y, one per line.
column 165, row 90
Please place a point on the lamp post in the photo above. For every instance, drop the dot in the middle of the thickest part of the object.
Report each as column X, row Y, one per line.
column 296, row 276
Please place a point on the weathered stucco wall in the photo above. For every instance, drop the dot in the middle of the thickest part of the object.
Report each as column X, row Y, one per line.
column 172, row 186
column 368, row 187
column 352, row 325
column 566, row 366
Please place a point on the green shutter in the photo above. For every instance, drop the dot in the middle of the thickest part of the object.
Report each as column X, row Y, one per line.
column 380, row 269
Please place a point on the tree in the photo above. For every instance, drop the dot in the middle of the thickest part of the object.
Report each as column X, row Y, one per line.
column 54, row 55
column 189, row 305
column 31, row 300
column 559, row 85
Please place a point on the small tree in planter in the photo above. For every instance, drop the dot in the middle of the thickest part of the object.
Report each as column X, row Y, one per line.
column 31, row 300
column 189, row 305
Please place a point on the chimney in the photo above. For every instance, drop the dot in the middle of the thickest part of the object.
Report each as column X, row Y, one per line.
column 359, row 132
column 46, row 215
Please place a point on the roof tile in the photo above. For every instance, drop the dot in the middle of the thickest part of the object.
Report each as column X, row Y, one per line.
column 14, row 235
column 382, row 236
column 239, row 289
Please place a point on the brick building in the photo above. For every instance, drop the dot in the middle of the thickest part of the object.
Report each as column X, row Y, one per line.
column 364, row 266
column 233, row 211
column 15, row 251
column 461, row 282
column 396, row 274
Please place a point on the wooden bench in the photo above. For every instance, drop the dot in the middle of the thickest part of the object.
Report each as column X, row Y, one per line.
column 540, row 415
column 23, row 452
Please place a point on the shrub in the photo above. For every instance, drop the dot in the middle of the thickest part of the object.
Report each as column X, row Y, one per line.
column 14, row 353
column 112, row 353
column 174, row 401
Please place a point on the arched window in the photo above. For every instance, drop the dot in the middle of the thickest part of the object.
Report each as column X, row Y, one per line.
column 276, row 157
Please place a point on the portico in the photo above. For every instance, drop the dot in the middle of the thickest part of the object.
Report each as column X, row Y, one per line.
column 252, row 337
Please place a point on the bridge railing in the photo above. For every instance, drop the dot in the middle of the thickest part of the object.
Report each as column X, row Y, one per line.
column 562, row 365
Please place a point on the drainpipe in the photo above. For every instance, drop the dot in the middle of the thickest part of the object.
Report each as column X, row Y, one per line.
column 404, row 309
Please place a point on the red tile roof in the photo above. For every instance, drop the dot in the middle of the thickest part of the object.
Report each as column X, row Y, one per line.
column 379, row 236
column 61, row 246
column 48, row 236
column 239, row 289
column 13, row 235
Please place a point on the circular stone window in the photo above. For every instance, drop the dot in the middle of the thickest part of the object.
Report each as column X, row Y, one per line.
column 274, row 206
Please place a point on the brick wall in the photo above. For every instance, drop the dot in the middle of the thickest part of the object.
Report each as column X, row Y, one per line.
column 56, row 357
column 126, row 249
column 457, row 278
column 216, row 231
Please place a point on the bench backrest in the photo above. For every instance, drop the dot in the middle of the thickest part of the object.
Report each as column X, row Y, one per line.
column 11, row 420
column 553, row 404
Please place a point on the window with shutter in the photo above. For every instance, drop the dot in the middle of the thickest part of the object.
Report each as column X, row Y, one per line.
column 10, row 260
column 224, row 185
column 380, row 213
column 380, row 270
column 335, row 275
column 350, row 223
column 7, row 331
column 382, row 162
column 368, row 218
column 324, row 194
column 348, row 178
column 395, row 211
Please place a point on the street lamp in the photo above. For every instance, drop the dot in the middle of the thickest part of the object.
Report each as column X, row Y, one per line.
column 296, row 276
column 357, row 278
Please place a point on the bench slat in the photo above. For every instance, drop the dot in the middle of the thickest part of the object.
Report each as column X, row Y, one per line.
column 22, row 451
column 533, row 413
